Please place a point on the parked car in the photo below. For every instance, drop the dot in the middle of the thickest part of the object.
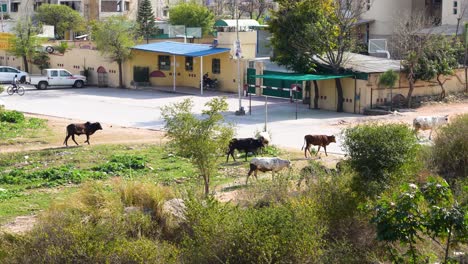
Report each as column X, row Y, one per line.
column 57, row 77
column 7, row 74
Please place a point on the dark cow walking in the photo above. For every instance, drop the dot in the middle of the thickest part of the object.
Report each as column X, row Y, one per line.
column 317, row 140
column 245, row 144
column 78, row 129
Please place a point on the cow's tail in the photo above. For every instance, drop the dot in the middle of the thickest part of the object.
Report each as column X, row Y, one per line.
column 305, row 142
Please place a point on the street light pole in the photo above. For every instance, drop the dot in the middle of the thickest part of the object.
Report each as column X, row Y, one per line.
column 241, row 110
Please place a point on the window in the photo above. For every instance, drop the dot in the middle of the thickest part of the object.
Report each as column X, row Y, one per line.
column 14, row 7
column 164, row 63
column 54, row 73
column 368, row 4
column 64, row 74
column 189, row 63
column 455, row 7
column 127, row 6
column 110, row 6
column 216, row 66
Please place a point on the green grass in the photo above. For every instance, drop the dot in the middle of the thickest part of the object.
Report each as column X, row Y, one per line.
column 31, row 202
column 33, row 179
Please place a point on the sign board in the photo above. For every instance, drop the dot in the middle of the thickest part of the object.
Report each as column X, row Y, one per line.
column 5, row 40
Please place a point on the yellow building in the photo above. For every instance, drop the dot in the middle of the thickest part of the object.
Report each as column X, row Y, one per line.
column 181, row 64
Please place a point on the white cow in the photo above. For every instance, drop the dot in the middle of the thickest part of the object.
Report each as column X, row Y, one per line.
column 267, row 164
column 428, row 122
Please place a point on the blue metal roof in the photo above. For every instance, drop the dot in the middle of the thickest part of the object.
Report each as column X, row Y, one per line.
column 181, row 49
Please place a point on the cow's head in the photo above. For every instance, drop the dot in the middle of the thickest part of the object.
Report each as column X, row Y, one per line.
column 98, row 126
column 331, row 139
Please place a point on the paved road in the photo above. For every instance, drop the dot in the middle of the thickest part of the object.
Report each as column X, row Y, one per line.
column 141, row 108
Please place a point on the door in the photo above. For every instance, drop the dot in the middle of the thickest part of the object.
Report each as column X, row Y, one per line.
column 66, row 78
column 53, row 78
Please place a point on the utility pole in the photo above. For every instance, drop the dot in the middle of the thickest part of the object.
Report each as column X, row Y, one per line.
column 241, row 110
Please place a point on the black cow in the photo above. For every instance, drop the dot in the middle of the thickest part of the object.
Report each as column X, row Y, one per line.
column 78, row 129
column 244, row 144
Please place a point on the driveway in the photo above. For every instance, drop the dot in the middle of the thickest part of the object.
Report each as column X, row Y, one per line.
column 142, row 109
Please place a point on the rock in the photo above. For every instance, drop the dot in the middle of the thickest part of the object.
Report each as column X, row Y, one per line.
column 175, row 208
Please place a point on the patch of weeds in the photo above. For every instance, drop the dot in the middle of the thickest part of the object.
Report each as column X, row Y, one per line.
column 122, row 163
column 26, row 128
column 8, row 194
column 12, row 117
column 271, row 150
column 50, row 177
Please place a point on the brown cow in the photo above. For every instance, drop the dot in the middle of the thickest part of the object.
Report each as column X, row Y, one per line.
column 78, row 129
column 317, row 140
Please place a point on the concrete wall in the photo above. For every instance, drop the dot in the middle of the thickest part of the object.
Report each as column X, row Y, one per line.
column 368, row 91
column 247, row 39
column 384, row 13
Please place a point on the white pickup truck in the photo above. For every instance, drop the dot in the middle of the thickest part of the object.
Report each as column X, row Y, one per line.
column 57, row 77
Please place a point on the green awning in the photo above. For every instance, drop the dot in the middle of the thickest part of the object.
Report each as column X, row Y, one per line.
column 302, row 77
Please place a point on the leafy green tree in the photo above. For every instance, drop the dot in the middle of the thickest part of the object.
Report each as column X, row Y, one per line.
column 323, row 38
column 411, row 212
column 410, row 48
column 192, row 15
column 439, row 58
column 388, row 78
column 42, row 60
column 381, row 155
column 114, row 37
column 203, row 140
column 450, row 151
column 62, row 17
column 145, row 19
column 400, row 218
column 25, row 42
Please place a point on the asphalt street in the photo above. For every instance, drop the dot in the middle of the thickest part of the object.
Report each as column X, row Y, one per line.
column 142, row 109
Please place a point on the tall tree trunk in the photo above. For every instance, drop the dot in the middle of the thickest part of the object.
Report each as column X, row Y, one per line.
column 25, row 62
column 441, row 84
column 206, row 179
column 448, row 244
column 411, row 87
column 120, row 74
column 339, row 90
column 316, row 94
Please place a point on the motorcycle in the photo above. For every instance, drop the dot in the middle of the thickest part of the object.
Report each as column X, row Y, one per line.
column 210, row 83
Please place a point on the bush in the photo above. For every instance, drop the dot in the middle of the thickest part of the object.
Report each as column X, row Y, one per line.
column 450, row 151
column 11, row 117
column 379, row 152
column 62, row 48
column 281, row 233
column 93, row 227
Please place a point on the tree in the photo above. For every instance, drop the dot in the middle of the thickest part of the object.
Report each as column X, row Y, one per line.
column 25, row 42
column 381, row 155
column 62, row 17
column 145, row 20
column 388, row 78
column 411, row 211
column 439, row 58
column 410, row 45
column 42, row 60
column 114, row 37
column 192, row 15
column 204, row 140
column 254, row 8
column 322, row 38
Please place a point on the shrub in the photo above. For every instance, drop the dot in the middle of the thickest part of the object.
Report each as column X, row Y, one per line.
column 62, row 47
column 281, row 233
column 91, row 227
column 11, row 117
column 388, row 78
column 379, row 152
column 450, row 151
column 1, row 90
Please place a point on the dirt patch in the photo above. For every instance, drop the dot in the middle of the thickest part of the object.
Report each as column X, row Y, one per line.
column 20, row 225
column 110, row 134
